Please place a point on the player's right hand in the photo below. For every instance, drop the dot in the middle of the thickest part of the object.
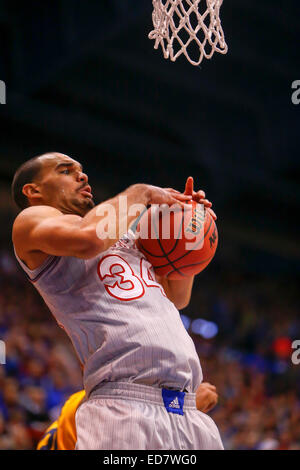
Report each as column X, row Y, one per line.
column 167, row 196
column 198, row 196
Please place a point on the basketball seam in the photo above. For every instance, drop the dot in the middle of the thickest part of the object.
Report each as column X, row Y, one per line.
column 185, row 254
column 194, row 264
column 170, row 262
column 164, row 254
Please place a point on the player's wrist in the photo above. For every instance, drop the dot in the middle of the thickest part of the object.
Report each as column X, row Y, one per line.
column 142, row 192
column 148, row 192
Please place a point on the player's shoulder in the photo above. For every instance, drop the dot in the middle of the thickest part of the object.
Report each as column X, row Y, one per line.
column 31, row 215
column 69, row 409
column 26, row 221
column 33, row 212
column 73, row 401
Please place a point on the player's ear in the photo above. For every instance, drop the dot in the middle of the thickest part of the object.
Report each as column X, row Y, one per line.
column 32, row 191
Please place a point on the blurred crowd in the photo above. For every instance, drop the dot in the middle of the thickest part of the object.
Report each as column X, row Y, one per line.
column 249, row 360
column 41, row 370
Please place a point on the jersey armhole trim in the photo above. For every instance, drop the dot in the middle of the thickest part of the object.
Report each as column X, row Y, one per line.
column 49, row 266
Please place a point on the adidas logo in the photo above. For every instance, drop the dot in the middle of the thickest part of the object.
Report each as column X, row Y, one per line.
column 174, row 403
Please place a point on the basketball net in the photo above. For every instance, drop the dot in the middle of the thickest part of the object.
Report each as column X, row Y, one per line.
column 179, row 26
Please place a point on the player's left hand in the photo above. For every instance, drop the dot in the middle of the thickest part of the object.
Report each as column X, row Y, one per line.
column 206, row 397
column 198, row 196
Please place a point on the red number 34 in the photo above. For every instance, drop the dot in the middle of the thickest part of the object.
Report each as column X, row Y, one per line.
column 121, row 282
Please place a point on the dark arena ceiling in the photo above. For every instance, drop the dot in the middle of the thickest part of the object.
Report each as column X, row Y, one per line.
column 85, row 80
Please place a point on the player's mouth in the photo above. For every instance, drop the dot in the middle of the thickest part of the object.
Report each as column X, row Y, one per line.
column 86, row 191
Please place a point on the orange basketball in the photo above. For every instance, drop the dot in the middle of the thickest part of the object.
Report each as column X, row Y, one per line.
column 189, row 246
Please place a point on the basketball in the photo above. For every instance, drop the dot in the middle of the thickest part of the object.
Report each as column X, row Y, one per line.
column 189, row 246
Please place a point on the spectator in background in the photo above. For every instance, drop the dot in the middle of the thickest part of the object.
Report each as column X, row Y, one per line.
column 249, row 361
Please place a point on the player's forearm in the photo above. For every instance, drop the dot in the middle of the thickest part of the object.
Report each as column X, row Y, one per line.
column 179, row 292
column 107, row 222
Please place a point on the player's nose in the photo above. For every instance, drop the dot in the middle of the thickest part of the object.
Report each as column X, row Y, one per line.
column 82, row 177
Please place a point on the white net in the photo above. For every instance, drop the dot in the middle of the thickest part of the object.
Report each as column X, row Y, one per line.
column 189, row 27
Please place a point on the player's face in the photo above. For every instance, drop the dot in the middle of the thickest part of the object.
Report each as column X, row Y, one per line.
column 63, row 185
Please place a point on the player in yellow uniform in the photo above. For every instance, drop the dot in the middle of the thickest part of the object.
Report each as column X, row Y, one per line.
column 61, row 435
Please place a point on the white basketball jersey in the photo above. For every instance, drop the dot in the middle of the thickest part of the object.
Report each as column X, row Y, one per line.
column 122, row 325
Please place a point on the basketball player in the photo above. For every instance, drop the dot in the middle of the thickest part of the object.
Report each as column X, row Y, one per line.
column 141, row 369
column 61, row 435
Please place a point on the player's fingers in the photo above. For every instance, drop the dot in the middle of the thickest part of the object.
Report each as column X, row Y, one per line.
column 204, row 384
column 182, row 197
column 210, row 386
column 214, row 216
column 172, row 190
column 208, row 408
column 205, row 202
column 204, row 405
column 199, row 195
column 189, row 186
column 210, row 403
column 214, row 397
column 181, row 202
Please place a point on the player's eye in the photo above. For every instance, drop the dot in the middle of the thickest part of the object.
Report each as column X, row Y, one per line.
column 65, row 172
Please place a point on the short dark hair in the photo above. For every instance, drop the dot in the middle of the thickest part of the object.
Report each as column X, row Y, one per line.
column 26, row 173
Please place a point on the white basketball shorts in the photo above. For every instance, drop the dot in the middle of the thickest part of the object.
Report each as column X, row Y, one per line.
column 125, row 416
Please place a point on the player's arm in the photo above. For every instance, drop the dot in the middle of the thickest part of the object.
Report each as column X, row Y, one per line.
column 47, row 230
column 179, row 292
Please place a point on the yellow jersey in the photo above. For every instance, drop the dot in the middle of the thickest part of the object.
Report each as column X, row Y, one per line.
column 61, row 435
